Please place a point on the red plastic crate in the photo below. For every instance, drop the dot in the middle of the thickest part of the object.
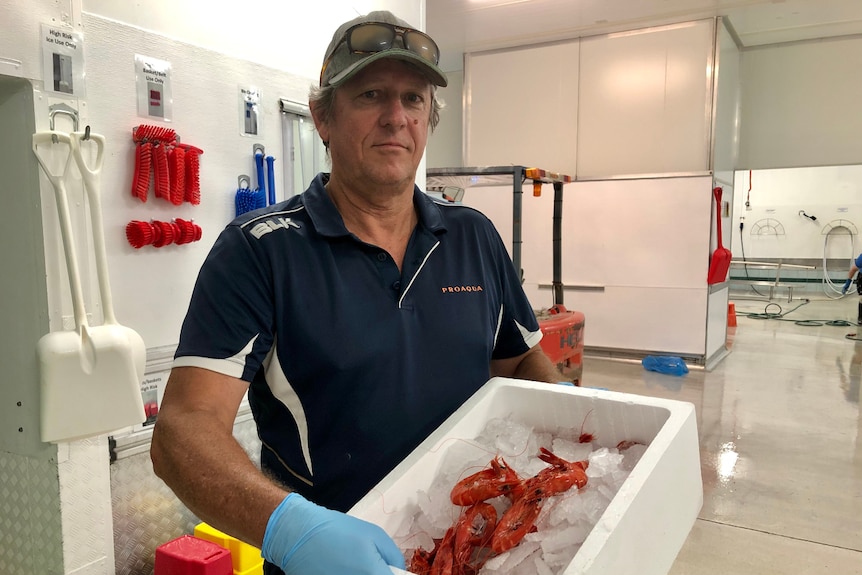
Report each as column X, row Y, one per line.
column 188, row 555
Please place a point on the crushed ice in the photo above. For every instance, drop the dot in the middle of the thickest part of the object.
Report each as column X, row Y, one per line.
column 565, row 519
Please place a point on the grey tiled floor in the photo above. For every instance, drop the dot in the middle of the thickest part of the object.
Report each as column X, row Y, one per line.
column 781, row 442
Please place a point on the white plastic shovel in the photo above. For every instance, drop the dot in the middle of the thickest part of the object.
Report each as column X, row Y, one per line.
column 90, row 377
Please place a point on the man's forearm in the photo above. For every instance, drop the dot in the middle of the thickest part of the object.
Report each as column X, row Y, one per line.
column 212, row 475
column 536, row 366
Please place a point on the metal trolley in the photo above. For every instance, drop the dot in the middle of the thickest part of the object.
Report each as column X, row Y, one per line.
column 563, row 339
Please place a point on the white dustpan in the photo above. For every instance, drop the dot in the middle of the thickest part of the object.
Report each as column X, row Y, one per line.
column 90, row 377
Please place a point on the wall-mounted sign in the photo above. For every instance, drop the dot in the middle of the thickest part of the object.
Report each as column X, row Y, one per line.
column 153, row 81
column 249, row 111
column 152, row 390
column 63, row 60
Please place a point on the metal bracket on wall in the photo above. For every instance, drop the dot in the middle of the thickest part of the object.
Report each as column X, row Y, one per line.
column 63, row 109
column 293, row 107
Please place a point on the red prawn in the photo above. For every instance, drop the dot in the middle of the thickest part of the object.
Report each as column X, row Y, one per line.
column 561, row 476
column 444, row 555
column 421, row 562
column 518, row 520
column 500, row 479
column 473, row 531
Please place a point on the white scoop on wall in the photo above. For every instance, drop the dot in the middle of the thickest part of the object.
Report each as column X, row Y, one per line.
column 90, row 378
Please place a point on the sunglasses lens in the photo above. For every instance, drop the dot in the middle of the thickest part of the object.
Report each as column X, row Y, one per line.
column 371, row 38
column 422, row 45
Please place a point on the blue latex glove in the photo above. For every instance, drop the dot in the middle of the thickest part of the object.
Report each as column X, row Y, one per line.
column 846, row 285
column 306, row 539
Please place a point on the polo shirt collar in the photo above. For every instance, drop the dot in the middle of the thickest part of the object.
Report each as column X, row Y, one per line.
column 328, row 222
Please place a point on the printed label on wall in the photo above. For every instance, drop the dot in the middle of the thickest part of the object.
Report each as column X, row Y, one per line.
column 152, row 390
column 153, row 80
column 63, row 60
column 249, row 111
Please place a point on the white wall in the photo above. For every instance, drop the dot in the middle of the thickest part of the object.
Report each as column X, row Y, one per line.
column 614, row 111
column 621, row 261
column 273, row 33
column 726, row 130
column 521, row 107
column 444, row 146
column 773, row 227
column 645, row 101
column 800, row 104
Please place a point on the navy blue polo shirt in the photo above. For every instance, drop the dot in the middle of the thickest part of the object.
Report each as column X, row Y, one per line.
column 352, row 363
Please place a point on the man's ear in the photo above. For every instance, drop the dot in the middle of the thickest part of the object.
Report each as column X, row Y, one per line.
column 320, row 121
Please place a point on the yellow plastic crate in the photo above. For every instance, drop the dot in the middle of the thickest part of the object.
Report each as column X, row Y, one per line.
column 246, row 558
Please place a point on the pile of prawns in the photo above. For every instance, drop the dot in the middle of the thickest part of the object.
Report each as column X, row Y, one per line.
column 477, row 535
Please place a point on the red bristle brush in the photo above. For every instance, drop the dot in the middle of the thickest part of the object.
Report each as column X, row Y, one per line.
column 166, row 235
column 177, row 171
column 178, row 232
column 187, row 231
column 143, row 165
column 193, row 174
column 139, row 233
column 161, row 174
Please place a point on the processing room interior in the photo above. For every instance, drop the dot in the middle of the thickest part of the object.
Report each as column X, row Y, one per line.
column 673, row 190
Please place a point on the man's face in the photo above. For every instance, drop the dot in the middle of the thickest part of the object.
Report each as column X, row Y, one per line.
column 379, row 126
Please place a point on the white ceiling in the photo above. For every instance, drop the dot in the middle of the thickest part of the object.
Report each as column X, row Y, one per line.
column 461, row 26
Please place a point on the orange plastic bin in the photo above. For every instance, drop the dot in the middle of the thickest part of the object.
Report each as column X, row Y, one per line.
column 563, row 338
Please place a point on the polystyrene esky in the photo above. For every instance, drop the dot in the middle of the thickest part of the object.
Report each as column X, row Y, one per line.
column 647, row 522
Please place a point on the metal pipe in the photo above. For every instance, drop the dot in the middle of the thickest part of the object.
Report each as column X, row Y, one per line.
column 517, row 203
column 558, row 243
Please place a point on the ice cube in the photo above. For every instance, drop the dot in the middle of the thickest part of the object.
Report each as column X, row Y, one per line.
column 602, row 462
column 562, row 559
column 632, row 455
column 542, row 568
column 513, row 439
column 571, row 450
column 558, row 540
column 518, row 555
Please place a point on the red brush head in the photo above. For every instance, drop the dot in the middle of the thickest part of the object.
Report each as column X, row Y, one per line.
column 149, row 133
column 193, row 176
column 165, row 235
column 143, row 166
column 162, row 180
column 139, row 233
column 177, row 175
column 186, row 231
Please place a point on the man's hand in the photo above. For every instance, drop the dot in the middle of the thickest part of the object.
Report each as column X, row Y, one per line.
column 306, row 539
column 846, row 285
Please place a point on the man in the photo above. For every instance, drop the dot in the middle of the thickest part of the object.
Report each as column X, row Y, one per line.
column 358, row 316
column 854, row 268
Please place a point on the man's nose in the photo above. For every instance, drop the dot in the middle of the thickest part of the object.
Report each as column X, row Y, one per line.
column 394, row 112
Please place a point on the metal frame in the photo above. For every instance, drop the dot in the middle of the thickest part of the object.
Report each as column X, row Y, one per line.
column 518, row 175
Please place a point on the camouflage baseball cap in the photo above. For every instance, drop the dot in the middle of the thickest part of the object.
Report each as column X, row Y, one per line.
column 375, row 36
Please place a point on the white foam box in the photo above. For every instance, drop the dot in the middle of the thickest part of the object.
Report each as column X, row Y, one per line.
column 647, row 522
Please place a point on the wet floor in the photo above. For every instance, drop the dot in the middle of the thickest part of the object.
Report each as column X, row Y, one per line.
column 780, row 440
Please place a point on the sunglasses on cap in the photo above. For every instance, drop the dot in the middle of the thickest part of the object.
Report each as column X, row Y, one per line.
column 372, row 37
